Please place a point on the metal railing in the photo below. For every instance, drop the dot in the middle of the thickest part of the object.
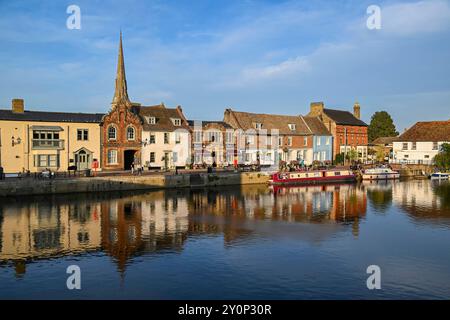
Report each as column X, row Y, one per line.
column 47, row 144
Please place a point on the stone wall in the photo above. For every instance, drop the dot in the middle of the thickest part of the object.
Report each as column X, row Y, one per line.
column 27, row 187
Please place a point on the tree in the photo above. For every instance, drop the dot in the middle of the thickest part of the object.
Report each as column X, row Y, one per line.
column 442, row 159
column 352, row 155
column 381, row 125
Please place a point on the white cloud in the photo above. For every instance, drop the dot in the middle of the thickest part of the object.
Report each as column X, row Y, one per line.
column 416, row 17
column 287, row 67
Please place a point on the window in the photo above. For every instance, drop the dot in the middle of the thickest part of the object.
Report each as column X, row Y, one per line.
column 82, row 135
column 305, row 141
column 435, row 146
column 289, row 141
column 406, row 156
column 46, row 139
column 177, row 122
column 175, row 157
column 427, row 156
column 152, row 157
column 130, row 133
column 152, row 139
column 112, row 133
column 166, row 137
column 319, row 140
column 177, row 137
column 151, row 120
column 112, row 156
column 258, row 126
column 280, row 141
column 414, row 146
column 46, row 160
column 405, row 146
column 291, row 126
column 229, row 137
column 328, row 141
column 198, row 136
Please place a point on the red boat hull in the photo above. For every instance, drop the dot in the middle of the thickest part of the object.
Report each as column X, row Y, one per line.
column 311, row 180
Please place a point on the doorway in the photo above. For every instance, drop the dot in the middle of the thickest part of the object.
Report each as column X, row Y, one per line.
column 129, row 158
column 83, row 159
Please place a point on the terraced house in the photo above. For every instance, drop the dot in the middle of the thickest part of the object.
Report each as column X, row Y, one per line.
column 166, row 137
column 35, row 140
column 269, row 138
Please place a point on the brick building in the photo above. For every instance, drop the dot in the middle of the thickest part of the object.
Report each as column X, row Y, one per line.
column 121, row 126
column 348, row 130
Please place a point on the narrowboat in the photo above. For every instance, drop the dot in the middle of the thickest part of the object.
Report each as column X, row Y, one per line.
column 439, row 176
column 312, row 177
column 380, row 174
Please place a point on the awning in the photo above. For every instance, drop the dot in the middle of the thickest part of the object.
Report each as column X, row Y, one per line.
column 46, row 128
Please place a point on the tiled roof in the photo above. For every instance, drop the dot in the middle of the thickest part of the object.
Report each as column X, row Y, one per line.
column 344, row 117
column 272, row 122
column 384, row 140
column 44, row 116
column 207, row 122
column 434, row 131
column 163, row 117
column 316, row 126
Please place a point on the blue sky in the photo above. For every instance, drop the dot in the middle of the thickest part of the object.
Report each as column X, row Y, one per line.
column 256, row 56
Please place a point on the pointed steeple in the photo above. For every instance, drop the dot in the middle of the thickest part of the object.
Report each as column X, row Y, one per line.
column 121, row 93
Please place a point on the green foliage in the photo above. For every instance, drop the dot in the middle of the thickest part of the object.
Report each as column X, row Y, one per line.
column 381, row 125
column 339, row 158
column 352, row 155
column 442, row 159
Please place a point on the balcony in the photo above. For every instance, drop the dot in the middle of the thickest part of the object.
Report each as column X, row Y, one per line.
column 47, row 144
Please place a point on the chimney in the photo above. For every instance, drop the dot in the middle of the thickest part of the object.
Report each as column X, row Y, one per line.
column 357, row 110
column 316, row 108
column 18, row 106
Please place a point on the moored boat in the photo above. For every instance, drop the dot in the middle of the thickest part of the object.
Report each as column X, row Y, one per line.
column 380, row 174
column 312, row 177
column 439, row 176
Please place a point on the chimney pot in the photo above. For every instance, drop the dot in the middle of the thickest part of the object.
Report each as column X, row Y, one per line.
column 18, row 106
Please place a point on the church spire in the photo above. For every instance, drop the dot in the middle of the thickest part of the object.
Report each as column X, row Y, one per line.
column 121, row 93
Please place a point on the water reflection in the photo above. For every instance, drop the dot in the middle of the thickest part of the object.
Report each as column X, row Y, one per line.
column 124, row 226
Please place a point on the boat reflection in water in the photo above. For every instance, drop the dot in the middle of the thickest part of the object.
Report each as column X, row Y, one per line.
column 123, row 226
column 234, row 242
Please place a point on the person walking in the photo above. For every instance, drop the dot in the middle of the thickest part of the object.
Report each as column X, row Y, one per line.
column 132, row 168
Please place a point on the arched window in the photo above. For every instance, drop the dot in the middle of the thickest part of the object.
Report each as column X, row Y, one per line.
column 112, row 133
column 130, row 133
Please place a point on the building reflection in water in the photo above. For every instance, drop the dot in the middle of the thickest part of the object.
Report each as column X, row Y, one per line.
column 125, row 226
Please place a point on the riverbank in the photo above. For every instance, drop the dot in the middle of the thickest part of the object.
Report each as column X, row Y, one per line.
column 30, row 187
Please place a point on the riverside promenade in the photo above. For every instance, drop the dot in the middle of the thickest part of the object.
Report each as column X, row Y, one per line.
column 125, row 182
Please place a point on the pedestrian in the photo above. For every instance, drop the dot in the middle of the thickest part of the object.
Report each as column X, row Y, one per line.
column 132, row 168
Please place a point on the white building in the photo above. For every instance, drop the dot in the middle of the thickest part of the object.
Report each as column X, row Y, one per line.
column 421, row 143
column 165, row 138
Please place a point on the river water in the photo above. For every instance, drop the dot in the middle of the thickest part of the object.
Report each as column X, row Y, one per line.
column 241, row 242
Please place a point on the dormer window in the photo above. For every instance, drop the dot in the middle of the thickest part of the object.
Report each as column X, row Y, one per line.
column 258, row 126
column 151, row 120
column 176, row 122
column 291, row 126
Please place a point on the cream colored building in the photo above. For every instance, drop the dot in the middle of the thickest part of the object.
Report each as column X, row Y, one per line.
column 166, row 138
column 34, row 140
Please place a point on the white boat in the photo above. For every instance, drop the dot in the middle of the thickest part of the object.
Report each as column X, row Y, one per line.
column 439, row 176
column 380, row 174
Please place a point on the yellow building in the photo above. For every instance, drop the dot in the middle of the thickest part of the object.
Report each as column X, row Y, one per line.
column 34, row 140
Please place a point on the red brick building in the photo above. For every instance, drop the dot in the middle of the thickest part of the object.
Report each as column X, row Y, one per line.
column 348, row 130
column 121, row 126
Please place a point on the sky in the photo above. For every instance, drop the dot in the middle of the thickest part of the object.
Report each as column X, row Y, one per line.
column 208, row 55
